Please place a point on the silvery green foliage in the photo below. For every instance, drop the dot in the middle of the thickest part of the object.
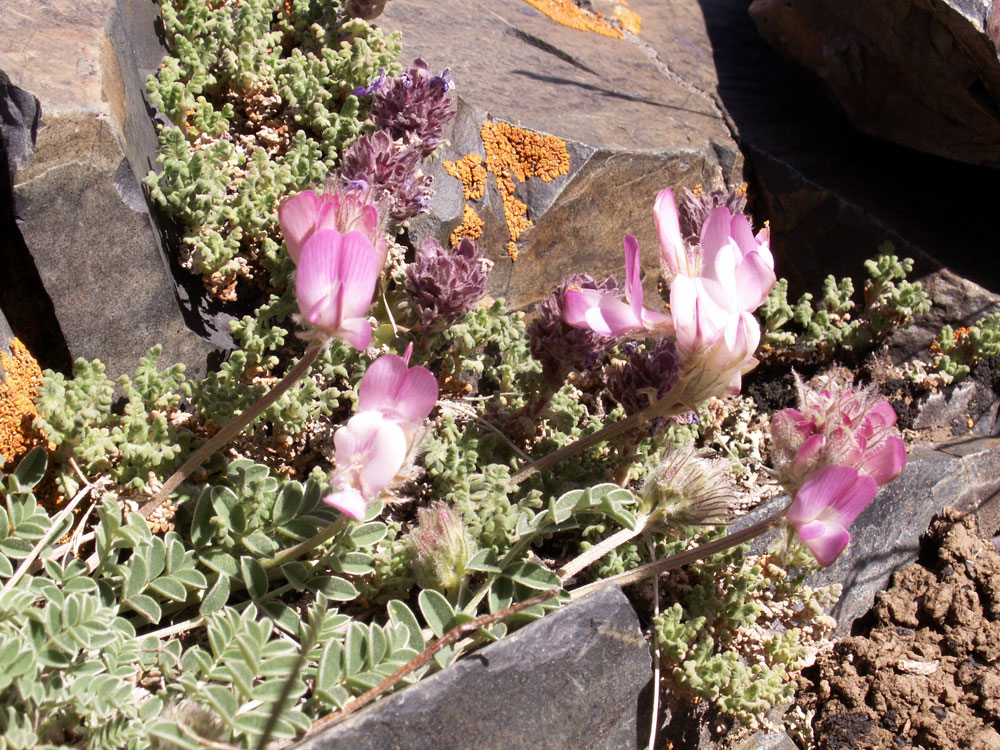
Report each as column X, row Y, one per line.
column 955, row 353
column 77, row 417
column 291, row 73
column 766, row 608
column 833, row 325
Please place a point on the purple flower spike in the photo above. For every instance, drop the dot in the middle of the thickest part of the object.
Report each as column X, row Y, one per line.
column 826, row 505
column 335, row 283
column 444, row 286
column 414, row 108
column 391, row 169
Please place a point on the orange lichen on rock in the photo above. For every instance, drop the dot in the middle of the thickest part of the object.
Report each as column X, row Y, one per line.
column 513, row 153
column 469, row 169
column 628, row 18
column 470, row 228
column 18, row 390
column 570, row 14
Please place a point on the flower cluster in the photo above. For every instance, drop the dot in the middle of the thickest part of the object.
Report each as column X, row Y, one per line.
column 414, row 108
column 687, row 488
column 832, row 454
column 714, row 289
column 389, row 169
column 647, row 377
column 381, row 440
column 444, row 286
column 558, row 346
column 695, row 208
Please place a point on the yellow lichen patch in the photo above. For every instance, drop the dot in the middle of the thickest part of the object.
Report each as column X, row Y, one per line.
column 570, row 14
column 513, row 153
column 470, row 228
column 469, row 169
column 18, row 390
column 628, row 18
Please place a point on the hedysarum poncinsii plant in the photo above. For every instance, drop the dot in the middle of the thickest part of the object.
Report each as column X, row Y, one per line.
column 414, row 107
column 380, row 442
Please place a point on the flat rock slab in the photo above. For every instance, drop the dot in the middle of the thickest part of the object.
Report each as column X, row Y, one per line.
column 568, row 681
column 629, row 126
column 925, row 75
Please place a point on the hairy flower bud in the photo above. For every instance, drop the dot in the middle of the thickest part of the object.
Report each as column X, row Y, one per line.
column 687, row 488
column 444, row 286
column 559, row 347
column 695, row 208
column 415, row 107
column 648, row 376
column 441, row 548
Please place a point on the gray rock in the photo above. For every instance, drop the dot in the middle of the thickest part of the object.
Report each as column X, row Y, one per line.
column 86, row 252
column 571, row 680
column 630, row 125
column 925, row 75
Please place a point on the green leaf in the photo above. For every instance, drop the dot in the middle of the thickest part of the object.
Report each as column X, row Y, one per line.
column 260, row 544
column 138, row 575
column 369, row 534
column 254, row 576
column 15, row 548
column 202, row 528
column 6, row 568
column 169, row 587
column 400, row 614
column 354, row 648
column 278, row 666
column 377, row 645
column 221, row 562
column 216, row 597
column 31, row 469
column 335, row 588
column 533, row 576
column 329, row 670
column 145, row 606
column 484, row 561
column 287, row 504
column 172, row 736
column 437, row 611
column 353, row 563
column 156, row 558
column 191, row 578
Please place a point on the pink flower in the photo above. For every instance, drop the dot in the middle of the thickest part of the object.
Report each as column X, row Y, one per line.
column 825, row 505
column 836, row 426
column 371, row 450
column 739, row 263
column 377, row 444
column 335, row 283
column 608, row 315
column 305, row 213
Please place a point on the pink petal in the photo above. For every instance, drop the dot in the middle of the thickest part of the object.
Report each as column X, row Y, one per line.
column 825, row 540
column 358, row 272
column 355, row 331
column 633, row 274
column 381, row 382
column 297, row 216
column 590, row 308
column 370, row 451
column 349, row 502
column 848, row 505
column 668, row 227
column 418, row 395
column 715, row 235
column 317, row 279
column 819, row 492
column 807, row 452
column 740, row 231
column 886, row 462
column 753, row 281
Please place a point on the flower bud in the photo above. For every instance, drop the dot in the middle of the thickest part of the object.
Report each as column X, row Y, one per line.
column 686, row 488
column 441, row 548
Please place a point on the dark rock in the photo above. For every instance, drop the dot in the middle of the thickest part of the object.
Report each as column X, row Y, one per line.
column 20, row 114
column 571, row 680
column 630, row 127
column 832, row 194
column 925, row 75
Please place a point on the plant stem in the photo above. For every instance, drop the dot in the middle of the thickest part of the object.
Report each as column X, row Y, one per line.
column 666, row 406
column 233, row 428
column 301, row 548
column 683, row 558
column 600, row 549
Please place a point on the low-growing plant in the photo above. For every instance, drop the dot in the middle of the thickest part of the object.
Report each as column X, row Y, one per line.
column 956, row 351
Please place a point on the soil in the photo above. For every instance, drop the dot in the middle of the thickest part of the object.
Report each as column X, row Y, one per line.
column 923, row 668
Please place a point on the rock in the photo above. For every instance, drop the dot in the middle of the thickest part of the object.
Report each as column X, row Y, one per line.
column 886, row 536
column 832, row 194
column 628, row 126
column 925, row 75
column 568, row 681
column 89, row 252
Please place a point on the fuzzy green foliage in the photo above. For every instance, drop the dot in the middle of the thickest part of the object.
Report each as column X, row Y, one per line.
column 76, row 415
column 833, row 324
column 956, row 352
column 263, row 104
column 716, row 643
